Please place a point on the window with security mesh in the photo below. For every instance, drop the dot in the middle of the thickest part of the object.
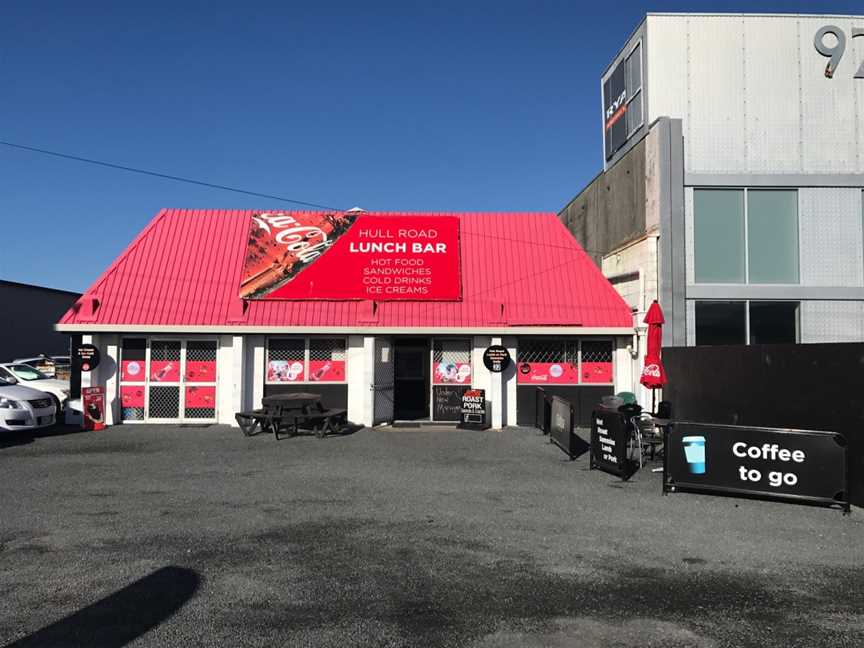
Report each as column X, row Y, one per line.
column 451, row 362
column 200, row 402
column 286, row 360
column 596, row 361
column 164, row 403
column 165, row 361
column 200, row 361
column 327, row 360
column 547, row 361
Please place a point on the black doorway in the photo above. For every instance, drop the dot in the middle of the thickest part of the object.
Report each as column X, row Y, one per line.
column 411, row 384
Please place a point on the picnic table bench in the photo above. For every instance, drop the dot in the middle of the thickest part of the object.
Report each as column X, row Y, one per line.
column 289, row 413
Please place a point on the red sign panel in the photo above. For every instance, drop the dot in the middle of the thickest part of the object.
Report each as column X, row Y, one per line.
column 327, row 370
column 164, row 371
column 549, row 373
column 131, row 396
column 301, row 255
column 597, row 372
column 93, row 404
column 200, row 397
column 200, row 371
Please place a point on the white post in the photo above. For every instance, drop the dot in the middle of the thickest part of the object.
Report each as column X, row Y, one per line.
column 497, row 395
column 509, row 378
column 109, row 373
column 360, row 375
column 256, row 370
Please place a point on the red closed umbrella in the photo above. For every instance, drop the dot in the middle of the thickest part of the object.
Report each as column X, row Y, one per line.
column 653, row 373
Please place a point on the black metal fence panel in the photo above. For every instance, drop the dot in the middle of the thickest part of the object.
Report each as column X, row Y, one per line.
column 803, row 386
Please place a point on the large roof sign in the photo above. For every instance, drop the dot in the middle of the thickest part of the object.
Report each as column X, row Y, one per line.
column 351, row 256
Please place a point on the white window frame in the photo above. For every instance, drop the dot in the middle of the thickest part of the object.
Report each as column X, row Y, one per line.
column 637, row 93
column 181, row 384
column 432, row 384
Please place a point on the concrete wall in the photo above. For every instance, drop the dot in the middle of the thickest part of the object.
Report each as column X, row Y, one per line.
column 27, row 320
column 610, row 211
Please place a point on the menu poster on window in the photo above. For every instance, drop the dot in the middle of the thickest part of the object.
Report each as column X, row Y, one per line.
column 285, row 371
column 307, row 255
column 551, row 373
column 456, row 373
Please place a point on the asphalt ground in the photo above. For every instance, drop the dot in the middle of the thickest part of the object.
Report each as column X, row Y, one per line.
column 170, row 536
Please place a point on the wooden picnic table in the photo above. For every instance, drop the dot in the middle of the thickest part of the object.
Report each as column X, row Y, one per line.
column 291, row 412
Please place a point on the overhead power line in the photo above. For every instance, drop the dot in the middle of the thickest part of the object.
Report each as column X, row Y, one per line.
column 166, row 176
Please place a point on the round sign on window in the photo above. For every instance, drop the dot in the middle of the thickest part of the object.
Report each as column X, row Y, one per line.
column 556, row 371
column 133, row 368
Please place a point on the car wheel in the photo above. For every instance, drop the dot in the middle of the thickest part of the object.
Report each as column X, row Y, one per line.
column 57, row 408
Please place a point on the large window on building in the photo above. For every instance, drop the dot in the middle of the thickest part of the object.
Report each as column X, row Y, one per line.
column 772, row 236
column 746, row 236
column 633, row 80
column 773, row 322
column 718, row 217
column 556, row 361
column 742, row 322
column 302, row 360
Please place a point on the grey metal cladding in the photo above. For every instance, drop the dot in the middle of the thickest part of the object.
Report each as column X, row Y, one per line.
column 831, row 237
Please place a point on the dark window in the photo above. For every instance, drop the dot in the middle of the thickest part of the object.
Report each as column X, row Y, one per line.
column 773, row 322
column 721, row 323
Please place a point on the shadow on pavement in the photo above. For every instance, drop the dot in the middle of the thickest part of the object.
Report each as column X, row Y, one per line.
column 123, row 616
column 15, row 438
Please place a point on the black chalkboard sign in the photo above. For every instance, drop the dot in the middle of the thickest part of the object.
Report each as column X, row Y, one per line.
column 447, row 402
column 475, row 410
column 609, row 437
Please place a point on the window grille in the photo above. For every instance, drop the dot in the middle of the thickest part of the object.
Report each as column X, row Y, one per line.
column 596, row 351
column 164, row 402
column 550, row 350
column 452, row 351
column 326, row 349
column 286, row 349
column 201, row 351
column 165, row 350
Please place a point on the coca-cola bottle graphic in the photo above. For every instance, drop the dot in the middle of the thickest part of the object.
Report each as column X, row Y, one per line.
column 160, row 375
column 281, row 244
column 94, row 413
column 319, row 373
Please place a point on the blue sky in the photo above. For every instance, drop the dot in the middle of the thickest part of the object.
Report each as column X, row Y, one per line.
column 456, row 106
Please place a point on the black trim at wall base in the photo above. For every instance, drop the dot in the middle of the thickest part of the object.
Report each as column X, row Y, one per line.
column 333, row 395
column 583, row 398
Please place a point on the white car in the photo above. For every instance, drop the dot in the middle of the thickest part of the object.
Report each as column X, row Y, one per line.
column 24, row 408
column 25, row 375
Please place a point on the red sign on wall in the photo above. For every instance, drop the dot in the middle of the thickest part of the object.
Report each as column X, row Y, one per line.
column 302, row 255
column 550, row 373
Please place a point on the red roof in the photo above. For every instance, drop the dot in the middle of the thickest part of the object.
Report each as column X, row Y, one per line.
column 184, row 269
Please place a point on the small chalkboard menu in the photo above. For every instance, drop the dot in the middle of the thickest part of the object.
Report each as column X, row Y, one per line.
column 475, row 410
column 447, row 402
column 609, row 444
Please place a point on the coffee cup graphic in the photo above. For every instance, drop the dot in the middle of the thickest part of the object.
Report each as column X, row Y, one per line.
column 694, row 452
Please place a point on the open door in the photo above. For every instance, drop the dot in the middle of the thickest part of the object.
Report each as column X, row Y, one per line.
column 382, row 387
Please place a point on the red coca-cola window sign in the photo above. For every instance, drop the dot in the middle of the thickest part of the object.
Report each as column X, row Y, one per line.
column 200, row 371
column 549, row 373
column 164, row 371
column 131, row 396
column 597, row 372
column 200, row 397
column 451, row 373
column 326, row 371
column 132, row 371
column 307, row 255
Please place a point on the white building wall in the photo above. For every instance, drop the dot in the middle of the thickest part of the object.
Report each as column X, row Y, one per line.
column 752, row 93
